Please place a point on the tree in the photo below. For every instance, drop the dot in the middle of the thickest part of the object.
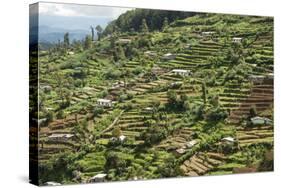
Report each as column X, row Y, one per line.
column 215, row 100
column 154, row 134
column 216, row 115
column 62, row 88
column 116, row 161
column 60, row 114
column 156, row 103
column 88, row 42
column 113, row 39
column 50, row 116
column 186, row 105
column 204, row 92
column 99, row 31
column 170, row 167
column 96, row 112
column 93, row 33
column 126, row 73
column 66, row 40
column 172, row 97
column 118, row 53
column 116, row 132
column 253, row 111
column 165, row 24
column 144, row 27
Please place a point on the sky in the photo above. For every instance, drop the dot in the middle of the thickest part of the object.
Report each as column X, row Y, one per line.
column 75, row 16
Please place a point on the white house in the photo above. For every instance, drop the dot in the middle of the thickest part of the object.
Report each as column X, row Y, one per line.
column 122, row 138
column 181, row 72
column 98, row 178
column 168, row 56
column 207, row 33
column 180, row 151
column 228, row 140
column 51, row 183
column 104, row 102
column 60, row 137
column 237, row 39
column 261, row 121
column 192, row 143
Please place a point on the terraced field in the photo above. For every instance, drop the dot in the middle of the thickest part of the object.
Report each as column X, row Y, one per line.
column 201, row 163
column 261, row 96
column 171, row 103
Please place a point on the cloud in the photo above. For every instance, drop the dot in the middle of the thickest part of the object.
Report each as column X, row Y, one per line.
column 71, row 10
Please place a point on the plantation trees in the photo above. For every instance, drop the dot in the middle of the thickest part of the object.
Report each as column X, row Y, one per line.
column 144, row 27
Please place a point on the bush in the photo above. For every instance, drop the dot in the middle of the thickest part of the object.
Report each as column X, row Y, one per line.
column 154, row 134
column 128, row 106
column 112, row 74
column 253, row 111
column 60, row 114
column 216, row 115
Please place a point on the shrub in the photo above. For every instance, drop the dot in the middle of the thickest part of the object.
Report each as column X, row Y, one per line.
column 154, row 134
column 216, row 115
column 60, row 114
column 253, row 111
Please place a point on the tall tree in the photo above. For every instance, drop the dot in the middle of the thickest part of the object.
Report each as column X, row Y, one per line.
column 144, row 27
column 93, row 33
column 165, row 24
column 88, row 42
column 99, row 30
column 204, row 92
column 66, row 40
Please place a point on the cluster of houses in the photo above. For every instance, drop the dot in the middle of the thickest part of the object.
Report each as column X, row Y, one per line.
column 121, row 138
column 187, row 146
column 208, row 34
column 226, row 141
column 181, row 72
column 117, row 85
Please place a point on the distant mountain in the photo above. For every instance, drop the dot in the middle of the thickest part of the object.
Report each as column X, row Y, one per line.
column 52, row 27
column 53, row 34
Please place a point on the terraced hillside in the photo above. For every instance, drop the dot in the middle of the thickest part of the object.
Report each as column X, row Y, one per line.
column 194, row 97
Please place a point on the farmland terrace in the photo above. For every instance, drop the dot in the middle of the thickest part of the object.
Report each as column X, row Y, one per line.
column 183, row 100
